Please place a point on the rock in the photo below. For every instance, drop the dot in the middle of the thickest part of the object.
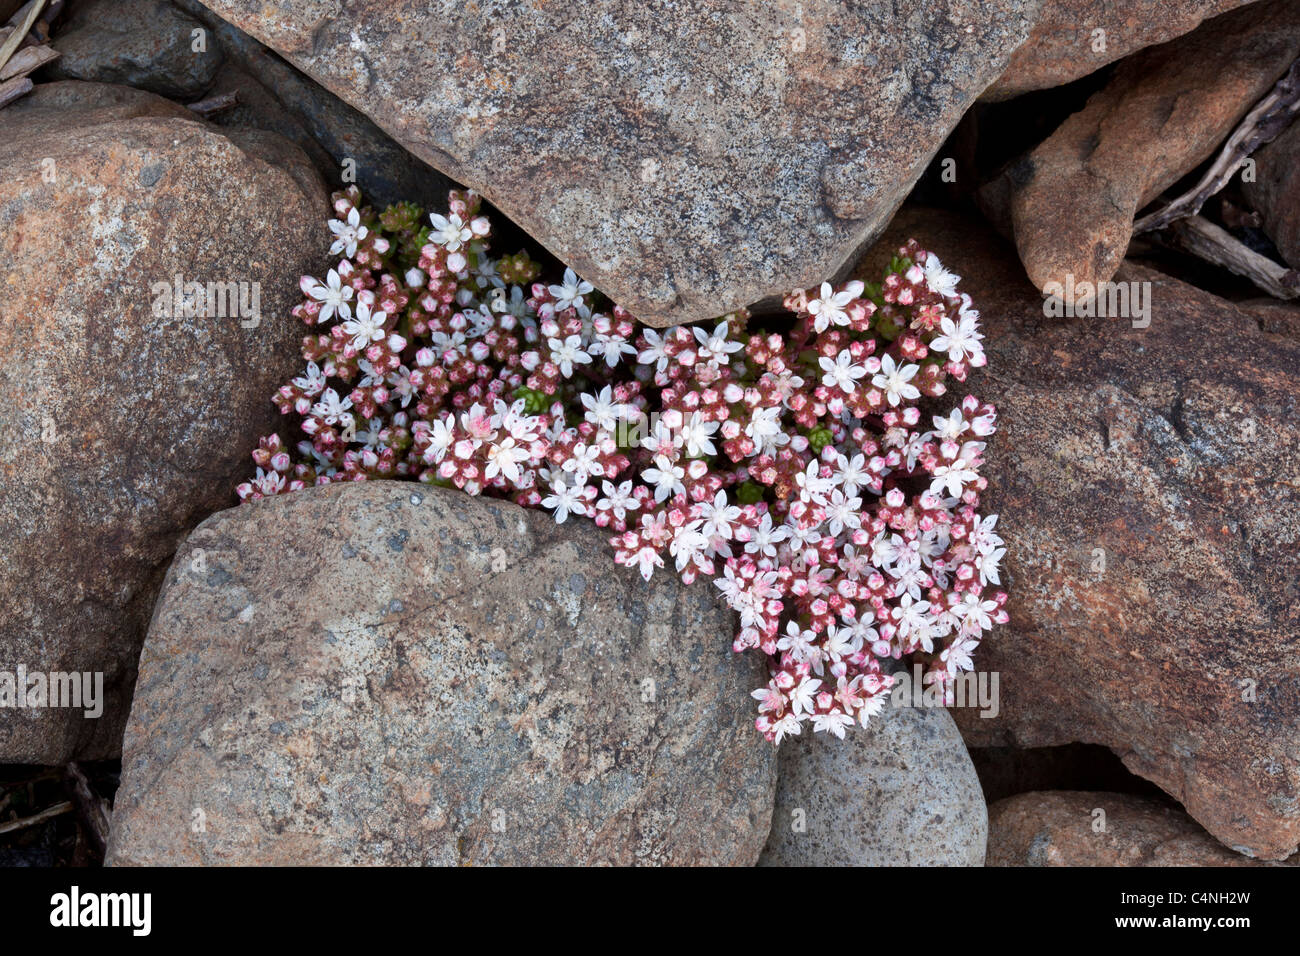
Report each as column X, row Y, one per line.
column 901, row 792
column 1151, row 522
column 341, row 141
column 686, row 158
column 1071, row 202
column 1275, row 192
column 125, row 427
column 1065, row 43
column 148, row 44
column 394, row 673
column 1274, row 316
column 1060, row 828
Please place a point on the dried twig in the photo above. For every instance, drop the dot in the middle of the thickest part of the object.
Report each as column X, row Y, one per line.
column 92, row 809
column 22, row 21
column 215, row 104
column 1261, row 125
column 1204, row 239
column 10, row 90
column 27, row 61
column 49, row 813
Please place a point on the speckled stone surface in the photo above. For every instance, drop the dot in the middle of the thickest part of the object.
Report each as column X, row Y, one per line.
column 1076, row 828
column 688, row 157
column 900, row 792
column 125, row 424
column 147, row 44
column 391, row 673
column 1072, row 38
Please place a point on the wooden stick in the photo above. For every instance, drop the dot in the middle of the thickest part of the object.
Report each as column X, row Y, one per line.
column 10, row 90
column 23, row 24
column 215, row 104
column 91, row 808
column 28, row 60
column 1261, row 125
column 46, row 814
column 1202, row 238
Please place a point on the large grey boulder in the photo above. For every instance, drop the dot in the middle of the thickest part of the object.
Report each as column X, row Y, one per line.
column 391, row 673
column 687, row 158
column 901, row 792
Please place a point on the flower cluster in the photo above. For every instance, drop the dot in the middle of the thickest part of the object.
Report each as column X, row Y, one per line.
column 791, row 464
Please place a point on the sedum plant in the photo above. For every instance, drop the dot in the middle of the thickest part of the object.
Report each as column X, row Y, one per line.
column 788, row 460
